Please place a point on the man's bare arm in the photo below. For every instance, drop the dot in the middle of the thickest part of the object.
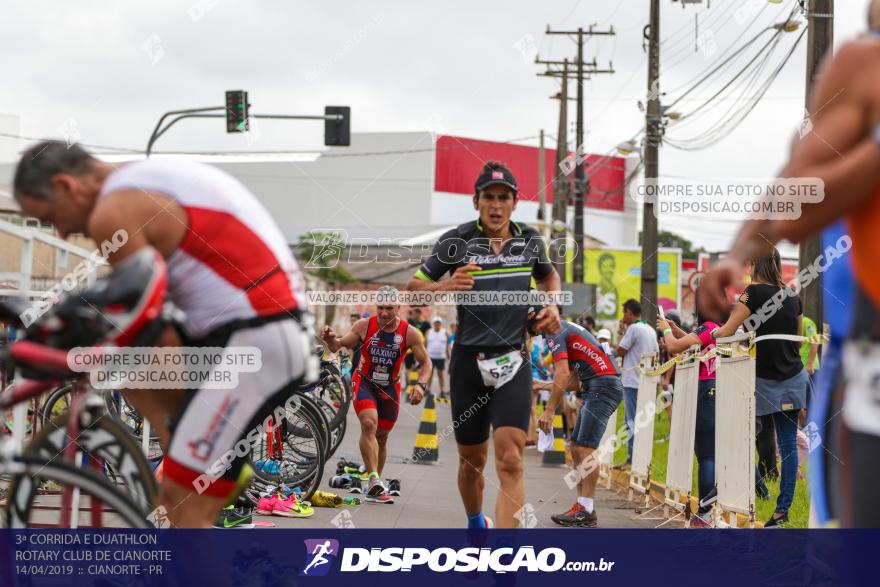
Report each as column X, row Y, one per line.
column 148, row 220
column 350, row 340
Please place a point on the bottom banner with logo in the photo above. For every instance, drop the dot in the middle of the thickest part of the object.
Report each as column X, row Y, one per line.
column 214, row 558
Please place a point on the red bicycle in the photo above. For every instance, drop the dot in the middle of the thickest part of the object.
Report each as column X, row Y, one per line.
column 101, row 475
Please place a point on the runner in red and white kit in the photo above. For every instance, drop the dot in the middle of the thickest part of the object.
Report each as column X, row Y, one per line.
column 229, row 269
column 384, row 339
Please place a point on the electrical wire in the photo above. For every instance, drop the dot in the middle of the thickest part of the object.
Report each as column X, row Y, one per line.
column 723, row 128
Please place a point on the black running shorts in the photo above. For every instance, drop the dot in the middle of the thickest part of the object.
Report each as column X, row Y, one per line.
column 476, row 407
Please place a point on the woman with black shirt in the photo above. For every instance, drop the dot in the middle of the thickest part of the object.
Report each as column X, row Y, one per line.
column 768, row 306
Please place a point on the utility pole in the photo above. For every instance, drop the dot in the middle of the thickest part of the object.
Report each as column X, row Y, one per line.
column 820, row 38
column 560, row 182
column 581, row 182
column 580, row 179
column 653, row 135
column 542, row 192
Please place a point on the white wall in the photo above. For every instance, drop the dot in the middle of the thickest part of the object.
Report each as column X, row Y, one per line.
column 352, row 190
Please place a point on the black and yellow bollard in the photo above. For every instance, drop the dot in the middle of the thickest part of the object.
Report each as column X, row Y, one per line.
column 413, row 379
column 426, row 449
column 555, row 457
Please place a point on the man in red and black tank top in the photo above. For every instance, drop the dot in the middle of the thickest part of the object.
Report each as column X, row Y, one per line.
column 384, row 339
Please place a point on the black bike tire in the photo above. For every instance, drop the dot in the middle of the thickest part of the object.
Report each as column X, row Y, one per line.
column 27, row 469
column 309, row 478
column 125, row 458
column 44, row 410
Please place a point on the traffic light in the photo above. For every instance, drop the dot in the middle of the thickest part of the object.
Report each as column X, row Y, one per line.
column 237, row 111
column 337, row 133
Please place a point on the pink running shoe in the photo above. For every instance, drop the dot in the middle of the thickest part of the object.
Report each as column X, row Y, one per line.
column 267, row 505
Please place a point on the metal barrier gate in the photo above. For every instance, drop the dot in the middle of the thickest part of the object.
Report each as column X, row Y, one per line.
column 643, row 428
column 680, row 464
column 735, row 429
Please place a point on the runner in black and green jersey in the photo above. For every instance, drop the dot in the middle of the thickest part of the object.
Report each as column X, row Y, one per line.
column 490, row 382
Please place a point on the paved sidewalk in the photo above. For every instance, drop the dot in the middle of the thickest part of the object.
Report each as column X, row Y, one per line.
column 430, row 494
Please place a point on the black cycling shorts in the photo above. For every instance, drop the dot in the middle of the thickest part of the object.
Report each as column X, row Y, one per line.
column 476, row 407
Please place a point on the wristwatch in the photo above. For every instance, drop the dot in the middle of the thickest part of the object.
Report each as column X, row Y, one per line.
column 424, row 386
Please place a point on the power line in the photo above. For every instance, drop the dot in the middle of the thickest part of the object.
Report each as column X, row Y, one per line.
column 323, row 155
column 723, row 128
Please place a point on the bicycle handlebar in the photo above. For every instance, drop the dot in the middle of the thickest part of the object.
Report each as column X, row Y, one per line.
column 25, row 390
column 40, row 356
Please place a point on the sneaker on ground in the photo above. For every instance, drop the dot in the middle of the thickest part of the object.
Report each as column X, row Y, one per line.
column 291, row 508
column 341, row 482
column 700, row 521
column 322, row 499
column 267, row 505
column 381, row 498
column 775, row 522
column 356, row 486
column 342, row 464
column 376, row 487
column 710, row 498
column 577, row 517
column 233, row 517
column 393, row 487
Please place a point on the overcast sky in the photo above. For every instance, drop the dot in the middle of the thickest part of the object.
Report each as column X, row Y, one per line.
column 107, row 70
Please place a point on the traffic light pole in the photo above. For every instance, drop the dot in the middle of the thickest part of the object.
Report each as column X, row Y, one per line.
column 219, row 112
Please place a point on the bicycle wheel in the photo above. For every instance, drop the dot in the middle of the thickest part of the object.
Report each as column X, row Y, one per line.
column 312, row 406
column 109, row 440
column 57, row 403
column 336, row 424
column 133, row 422
column 298, row 451
column 22, row 511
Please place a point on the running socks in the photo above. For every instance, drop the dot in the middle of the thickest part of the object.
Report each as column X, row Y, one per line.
column 476, row 521
column 587, row 502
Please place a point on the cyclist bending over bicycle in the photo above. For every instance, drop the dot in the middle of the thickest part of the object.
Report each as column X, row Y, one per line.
column 229, row 269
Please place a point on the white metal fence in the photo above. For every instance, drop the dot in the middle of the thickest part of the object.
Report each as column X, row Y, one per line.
column 643, row 441
column 679, row 466
column 735, row 427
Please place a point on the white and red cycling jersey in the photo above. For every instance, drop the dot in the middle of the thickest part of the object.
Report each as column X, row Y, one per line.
column 234, row 263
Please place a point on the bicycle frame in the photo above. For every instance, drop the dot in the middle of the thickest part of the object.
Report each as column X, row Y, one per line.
column 29, row 389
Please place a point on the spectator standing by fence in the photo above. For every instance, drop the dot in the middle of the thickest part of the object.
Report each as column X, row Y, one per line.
column 780, row 378
column 638, row 339
column 678, row 340
column 437, row 341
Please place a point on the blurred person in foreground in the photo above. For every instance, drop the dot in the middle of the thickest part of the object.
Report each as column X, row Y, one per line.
column 842, row 151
